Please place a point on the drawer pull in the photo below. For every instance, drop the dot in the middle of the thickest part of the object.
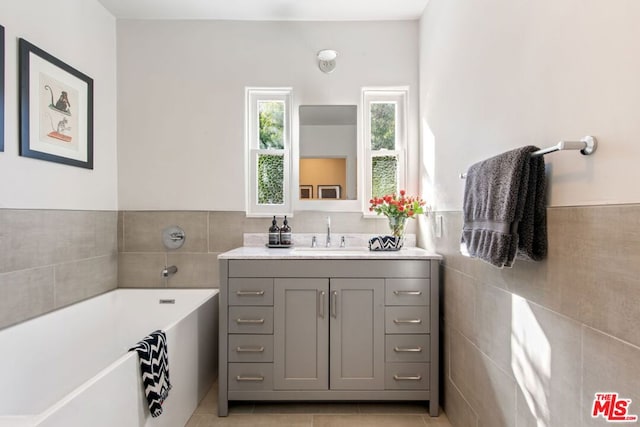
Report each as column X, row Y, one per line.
column 404, row 321
column 409, row 378
column 407, row 292
column 408, row 349
column 249, row 293
column 243, row 378
column 249, row 349
column 250, row 321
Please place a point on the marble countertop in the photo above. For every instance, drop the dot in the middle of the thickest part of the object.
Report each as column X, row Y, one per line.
column 262, row 252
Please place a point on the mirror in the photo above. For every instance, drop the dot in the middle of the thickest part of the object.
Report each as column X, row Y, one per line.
column 328, row 152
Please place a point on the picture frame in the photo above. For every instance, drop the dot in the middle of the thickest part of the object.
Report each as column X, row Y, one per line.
column 329, row 191
column 306, row 192
column 56, row 109
column 1, row 88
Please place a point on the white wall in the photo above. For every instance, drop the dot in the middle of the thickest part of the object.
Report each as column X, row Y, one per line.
column 82, row 34
column 181, row 97
column 498, row 74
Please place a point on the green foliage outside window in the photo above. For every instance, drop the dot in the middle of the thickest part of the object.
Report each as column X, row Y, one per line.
column 384, row 175
column 383, row 126
column 271, row 117
column 270, row 179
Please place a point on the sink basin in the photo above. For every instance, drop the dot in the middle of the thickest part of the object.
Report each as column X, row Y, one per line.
column 321, row 249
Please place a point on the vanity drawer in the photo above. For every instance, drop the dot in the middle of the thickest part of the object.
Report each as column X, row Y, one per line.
column 250, row 376
column 406, row 376
column 407, row 348
column 250, row 348
column 406, row 291
column 407, row 320
column 251, row 291
column 250, row 320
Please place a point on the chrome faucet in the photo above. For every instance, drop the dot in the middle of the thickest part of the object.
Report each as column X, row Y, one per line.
column 328, row 231
column 169, row 271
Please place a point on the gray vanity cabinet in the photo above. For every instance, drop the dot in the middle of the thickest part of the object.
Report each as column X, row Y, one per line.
column 328, row 329
column 357, row 334
column 301, row 334
column 305, row 311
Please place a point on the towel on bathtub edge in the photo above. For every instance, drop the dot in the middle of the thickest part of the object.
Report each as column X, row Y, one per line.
column 154, row 368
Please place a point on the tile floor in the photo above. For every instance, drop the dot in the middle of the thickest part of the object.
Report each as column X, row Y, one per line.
column 347, row 414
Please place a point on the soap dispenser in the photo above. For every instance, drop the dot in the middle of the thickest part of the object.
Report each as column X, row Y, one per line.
column 274, row 233
column 285, row 233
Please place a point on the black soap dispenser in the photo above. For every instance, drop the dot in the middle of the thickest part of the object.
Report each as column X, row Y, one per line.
column 285, row 233
column 274, row 233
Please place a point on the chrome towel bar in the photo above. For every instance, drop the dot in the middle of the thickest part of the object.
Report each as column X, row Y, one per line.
column 586, row 145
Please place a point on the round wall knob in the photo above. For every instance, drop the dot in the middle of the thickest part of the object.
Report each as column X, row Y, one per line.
column 173, row 237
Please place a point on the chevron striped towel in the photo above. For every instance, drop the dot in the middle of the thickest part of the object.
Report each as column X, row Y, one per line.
column 154, row 368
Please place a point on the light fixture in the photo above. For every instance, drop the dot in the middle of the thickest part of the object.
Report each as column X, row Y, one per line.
column 327, row 60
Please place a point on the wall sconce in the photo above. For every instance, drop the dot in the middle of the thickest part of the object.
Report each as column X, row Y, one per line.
column 327, row 60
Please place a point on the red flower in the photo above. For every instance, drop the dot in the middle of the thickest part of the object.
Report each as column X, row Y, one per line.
column 397, row 206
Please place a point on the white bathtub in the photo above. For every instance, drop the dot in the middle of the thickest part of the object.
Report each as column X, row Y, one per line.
column 71, row 368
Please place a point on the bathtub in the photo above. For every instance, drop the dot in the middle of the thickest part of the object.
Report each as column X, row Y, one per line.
column 71, row 368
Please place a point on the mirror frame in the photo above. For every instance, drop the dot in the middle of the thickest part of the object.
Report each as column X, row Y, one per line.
column 356, row 205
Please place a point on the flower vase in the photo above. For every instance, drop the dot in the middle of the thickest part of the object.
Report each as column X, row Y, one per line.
column 393, row 242
column 397, row 226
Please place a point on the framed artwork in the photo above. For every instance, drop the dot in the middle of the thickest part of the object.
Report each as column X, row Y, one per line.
column 56, row 109
column 328, row 191
column 306, row 192
column 1, row 88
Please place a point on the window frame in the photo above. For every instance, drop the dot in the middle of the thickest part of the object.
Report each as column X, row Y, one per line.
column 254, row 95
column 399, row 96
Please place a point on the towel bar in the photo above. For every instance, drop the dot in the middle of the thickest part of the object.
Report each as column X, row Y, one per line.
column 586, row 145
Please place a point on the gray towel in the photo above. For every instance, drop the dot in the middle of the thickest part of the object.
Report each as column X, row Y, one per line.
column 504, row 208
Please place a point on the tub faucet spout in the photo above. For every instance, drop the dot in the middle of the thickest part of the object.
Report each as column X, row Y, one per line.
column 169, row 271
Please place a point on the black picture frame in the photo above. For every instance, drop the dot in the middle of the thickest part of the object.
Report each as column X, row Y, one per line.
column 1, row 88
column 306, row 192
column 57, row 131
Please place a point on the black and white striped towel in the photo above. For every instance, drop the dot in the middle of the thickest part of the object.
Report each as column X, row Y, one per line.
column 154, row 368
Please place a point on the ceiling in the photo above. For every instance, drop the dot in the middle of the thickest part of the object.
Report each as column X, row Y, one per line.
column 268, row 10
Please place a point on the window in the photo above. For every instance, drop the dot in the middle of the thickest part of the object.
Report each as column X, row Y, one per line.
column 384, row 141
column 268, row 141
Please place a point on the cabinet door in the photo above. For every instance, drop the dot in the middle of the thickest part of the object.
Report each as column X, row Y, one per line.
column 357, row 334
column 301, row 334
